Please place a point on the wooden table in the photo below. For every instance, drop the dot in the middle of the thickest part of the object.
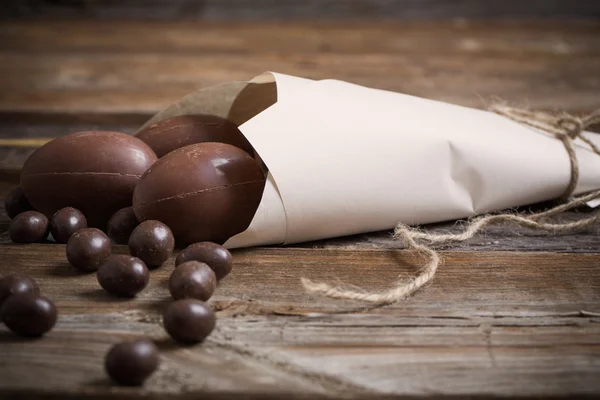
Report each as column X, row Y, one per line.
column 510, row 313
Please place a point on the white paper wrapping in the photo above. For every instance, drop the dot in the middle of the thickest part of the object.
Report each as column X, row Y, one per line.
column 344, row 159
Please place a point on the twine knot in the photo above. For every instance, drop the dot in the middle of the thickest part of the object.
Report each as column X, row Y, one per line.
column 573, row 126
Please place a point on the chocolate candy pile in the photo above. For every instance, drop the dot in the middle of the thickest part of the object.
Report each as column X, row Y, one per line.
column 92, row 189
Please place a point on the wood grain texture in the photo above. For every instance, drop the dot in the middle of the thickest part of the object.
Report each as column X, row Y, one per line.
column 357, row 37
column 307, row 9
column 92, row 68
column 493, row 323
column 448, row 339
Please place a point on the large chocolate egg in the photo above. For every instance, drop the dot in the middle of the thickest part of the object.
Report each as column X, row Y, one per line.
column 203, row 192
column 93, row 171
column 173, row 133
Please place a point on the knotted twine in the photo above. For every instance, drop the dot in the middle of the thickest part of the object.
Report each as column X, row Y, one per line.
column 563, row 127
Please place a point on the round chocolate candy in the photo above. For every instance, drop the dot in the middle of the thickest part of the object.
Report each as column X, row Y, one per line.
column 203, row 192
column 94, row 172
column 87, row 249
column 194, row 280
column 152, row 242
column 176, row 132
column 189, row 320
column 65, row 222
column 123, row 275
column 29, row 227
column 131, row 363
column 16, row 202
column 121, row 224
column 15, row 284
column 28, row 314
column 217, row 257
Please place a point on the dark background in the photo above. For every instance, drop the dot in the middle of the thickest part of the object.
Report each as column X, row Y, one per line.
column 302, row 9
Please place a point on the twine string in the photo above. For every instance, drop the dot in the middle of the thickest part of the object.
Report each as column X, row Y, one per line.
column 564, row 127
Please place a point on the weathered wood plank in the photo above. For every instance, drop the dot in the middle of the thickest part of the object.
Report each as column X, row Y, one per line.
column 505, row 37
column 534, row 66
column 144, row 84
column 490, row 324
column 422, row 360
column 339, row 356
column 311, row 9
column 513, row 282
column 69, row 362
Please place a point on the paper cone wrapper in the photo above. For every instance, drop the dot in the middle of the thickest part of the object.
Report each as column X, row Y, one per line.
column 344, row 159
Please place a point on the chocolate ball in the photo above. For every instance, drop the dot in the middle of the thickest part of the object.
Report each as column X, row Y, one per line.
column 189, row 320
column 65, row 222
column 152, row 242
column 87, row 249
column 15, row 284
column 29, row 227
column 123, row 275
column 93, row 171
column 131, row 363
column 176, row 132
column 194, row 280
column 28, row 314
column 203, row 192
column 16, row 202
column 121, row 224
column 217, row 257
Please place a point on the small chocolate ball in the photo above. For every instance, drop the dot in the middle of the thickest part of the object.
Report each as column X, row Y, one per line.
column 217, row 257
column 29, row 227
column 131, row 363
column 189, row 320
column 121, row 224
column 65, row 222
column 123, row 275
column 152, row 242
column 87, row 249
column 194, row 280
column 16, row 202
column 28, row 314
column 14, row 284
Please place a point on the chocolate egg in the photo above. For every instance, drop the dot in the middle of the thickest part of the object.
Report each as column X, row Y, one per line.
column 93, row 171
column 203, row 192
column 173, row 133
